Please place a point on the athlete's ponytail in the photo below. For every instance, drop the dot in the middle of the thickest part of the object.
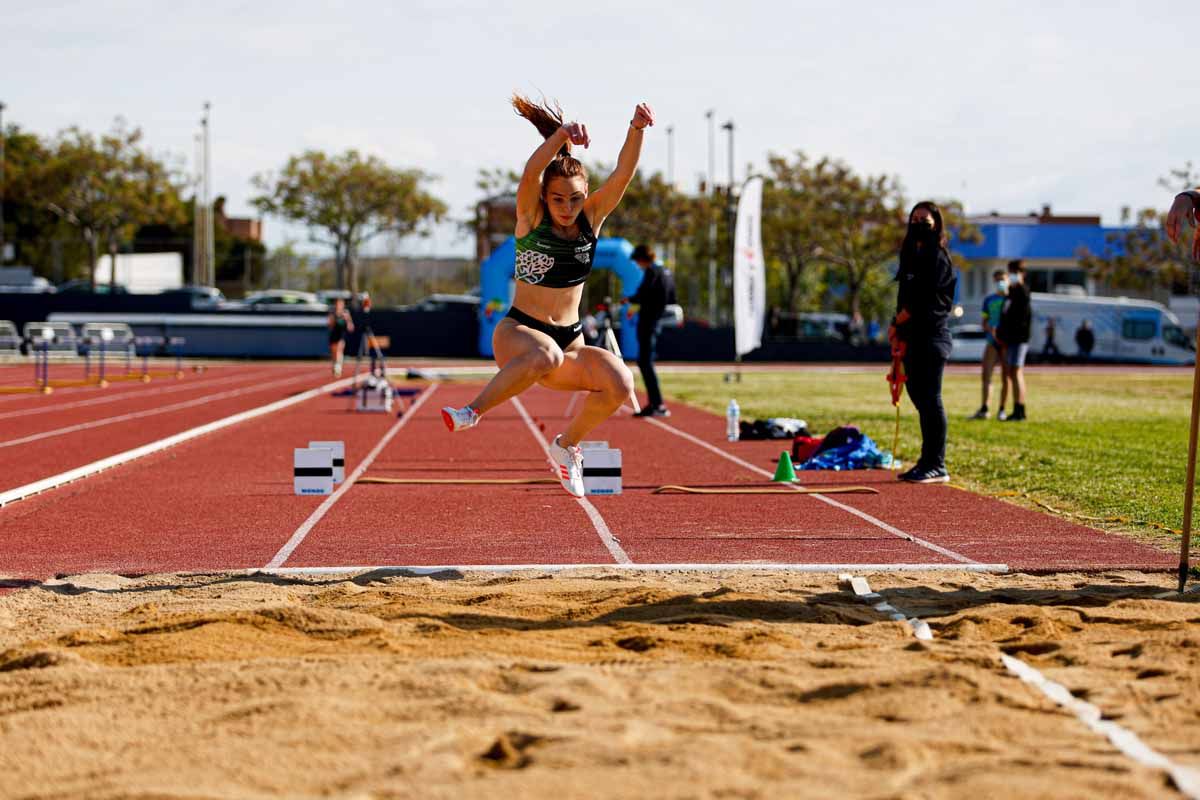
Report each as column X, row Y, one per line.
column 548, row 120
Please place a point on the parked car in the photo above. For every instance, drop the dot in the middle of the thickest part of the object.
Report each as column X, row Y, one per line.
column 200, row 297
column 282, row 300
column 446, row 302
column 36, row 285
column 84, row 286
column 328, row 296
column 969, row 342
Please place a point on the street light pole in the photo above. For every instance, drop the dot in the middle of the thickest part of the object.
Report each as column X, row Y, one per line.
column 210, row 269
column 2, row 137
column 671, row 156
column 197, row 215
column 730, row 207
column 712, row 223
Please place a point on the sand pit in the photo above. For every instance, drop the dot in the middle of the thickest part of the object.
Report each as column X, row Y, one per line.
column 679, row 685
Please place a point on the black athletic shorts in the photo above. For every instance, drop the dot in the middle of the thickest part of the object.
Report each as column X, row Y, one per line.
column 336, row 334
column 562, row 335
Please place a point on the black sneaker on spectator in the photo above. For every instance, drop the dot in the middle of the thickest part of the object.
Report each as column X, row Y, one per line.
column 980, row 414
column 1003, row 415
column 646, row 411
column 662, row 411
column 926, row 475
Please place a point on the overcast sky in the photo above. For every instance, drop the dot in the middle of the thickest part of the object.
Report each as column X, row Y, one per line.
column 1002, row 105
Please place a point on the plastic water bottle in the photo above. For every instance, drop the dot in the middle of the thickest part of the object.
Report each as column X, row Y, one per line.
column 732, row 421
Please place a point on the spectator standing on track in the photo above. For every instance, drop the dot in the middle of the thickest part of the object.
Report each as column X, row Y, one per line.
column 340, row 324
column 924, row 302
column 993, row 353
column 1015, row 321
column 654, row 293
column 1085, row 340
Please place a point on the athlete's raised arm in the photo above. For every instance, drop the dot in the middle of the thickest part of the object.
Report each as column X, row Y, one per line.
column 559, row 137
column 602, row 202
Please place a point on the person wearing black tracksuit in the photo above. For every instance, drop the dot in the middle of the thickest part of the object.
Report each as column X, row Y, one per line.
column 653, row 295
column 924, row 303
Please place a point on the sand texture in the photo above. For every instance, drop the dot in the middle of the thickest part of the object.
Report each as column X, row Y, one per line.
column 589, row 685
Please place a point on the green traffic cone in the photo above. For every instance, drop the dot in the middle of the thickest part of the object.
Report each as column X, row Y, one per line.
column 785, row 472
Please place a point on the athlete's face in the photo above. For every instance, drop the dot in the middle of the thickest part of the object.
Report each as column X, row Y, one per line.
column 564, row 199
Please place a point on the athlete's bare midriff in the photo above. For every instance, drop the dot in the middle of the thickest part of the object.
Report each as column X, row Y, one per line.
column 557, row 306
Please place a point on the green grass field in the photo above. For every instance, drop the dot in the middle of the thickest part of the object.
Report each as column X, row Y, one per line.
column 1095, row 444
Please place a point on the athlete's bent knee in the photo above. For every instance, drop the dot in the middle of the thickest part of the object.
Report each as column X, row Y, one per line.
column 545, row 360
column 620, row 384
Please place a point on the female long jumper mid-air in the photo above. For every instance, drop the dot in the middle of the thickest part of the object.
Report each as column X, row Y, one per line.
column 540, row 340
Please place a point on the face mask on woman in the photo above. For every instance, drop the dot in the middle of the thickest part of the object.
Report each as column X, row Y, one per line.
column 1002, row 286
column 922, row 230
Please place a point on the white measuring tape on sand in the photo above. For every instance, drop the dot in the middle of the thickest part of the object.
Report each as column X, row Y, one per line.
column 610, row 542
column 827, row 500
column 54, row 481
column 302, row 532
column 1186, row 779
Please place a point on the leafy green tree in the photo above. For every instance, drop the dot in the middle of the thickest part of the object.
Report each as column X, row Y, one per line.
column 346, row 200
column 1141, row 257
column 107, row 187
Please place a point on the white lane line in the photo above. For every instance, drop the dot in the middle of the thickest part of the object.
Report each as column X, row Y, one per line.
column 606, row 536
column 54, row 481
column 135, row 392
column 300, row 533
column 1186, row 779
column 100, row 423
column 827, row 500
column 740, row 566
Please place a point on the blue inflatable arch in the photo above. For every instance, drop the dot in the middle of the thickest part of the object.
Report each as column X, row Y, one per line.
column 496, row 288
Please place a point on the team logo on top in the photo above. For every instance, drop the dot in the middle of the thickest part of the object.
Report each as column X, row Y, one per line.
column 584, row 254
column 532, row 267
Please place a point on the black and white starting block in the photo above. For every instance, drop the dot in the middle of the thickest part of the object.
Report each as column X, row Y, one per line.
column 601, row 468
column 339, row 458
column 312, row 471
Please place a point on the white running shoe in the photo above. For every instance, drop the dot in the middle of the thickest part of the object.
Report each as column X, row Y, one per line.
column 569, row 461
column 459, row 419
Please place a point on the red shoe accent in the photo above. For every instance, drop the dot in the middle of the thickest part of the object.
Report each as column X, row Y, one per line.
column 447, row 419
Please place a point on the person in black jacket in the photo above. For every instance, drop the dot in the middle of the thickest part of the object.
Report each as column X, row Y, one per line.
column 653, row 295
column 926, row 298
column 1016, row 319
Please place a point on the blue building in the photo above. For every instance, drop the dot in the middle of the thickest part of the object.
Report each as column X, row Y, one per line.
column 1050, row 246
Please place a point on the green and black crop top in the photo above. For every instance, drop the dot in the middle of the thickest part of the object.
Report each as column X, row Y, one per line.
column 544, row 259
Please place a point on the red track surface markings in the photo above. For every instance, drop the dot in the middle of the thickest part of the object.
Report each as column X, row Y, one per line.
column 667, row 528
column 981, row 528
column 126, row 392
column 222, row 501
column 84, row 438
column 434, row 525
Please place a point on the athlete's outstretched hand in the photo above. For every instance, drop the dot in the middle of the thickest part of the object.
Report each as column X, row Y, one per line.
column 576, row 133
column 1183, row 213
column 643, row 117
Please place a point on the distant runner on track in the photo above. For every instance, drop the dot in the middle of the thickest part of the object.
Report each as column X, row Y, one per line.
column 540, row 340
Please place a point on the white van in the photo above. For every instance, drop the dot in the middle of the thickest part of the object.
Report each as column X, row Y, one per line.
column 1138, row 331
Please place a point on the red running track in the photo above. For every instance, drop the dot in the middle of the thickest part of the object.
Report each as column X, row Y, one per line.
column 71, row 434
column 224, row 501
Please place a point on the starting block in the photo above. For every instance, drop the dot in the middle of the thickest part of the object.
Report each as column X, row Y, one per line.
column 339, row 457
column 601, row 468
column 312, row 471
column 375, row 396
